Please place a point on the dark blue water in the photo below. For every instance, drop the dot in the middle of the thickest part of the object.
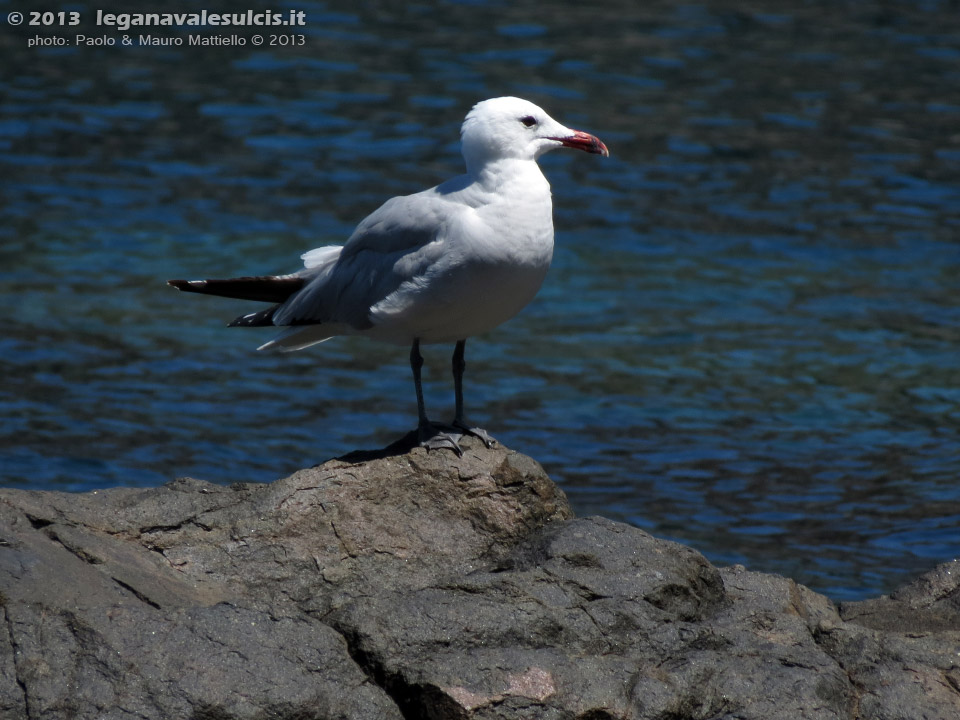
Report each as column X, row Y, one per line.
column 749, row 340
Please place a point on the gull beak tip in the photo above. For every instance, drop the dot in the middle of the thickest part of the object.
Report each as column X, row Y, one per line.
column 584, row 141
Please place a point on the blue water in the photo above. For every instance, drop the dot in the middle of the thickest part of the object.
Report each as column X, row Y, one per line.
column 748, row 342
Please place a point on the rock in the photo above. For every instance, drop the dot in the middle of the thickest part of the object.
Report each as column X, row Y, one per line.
column 408, row 584
column 906, row 648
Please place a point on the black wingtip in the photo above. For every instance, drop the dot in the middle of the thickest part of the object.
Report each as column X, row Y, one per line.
column 255, row 319
column 265, row 288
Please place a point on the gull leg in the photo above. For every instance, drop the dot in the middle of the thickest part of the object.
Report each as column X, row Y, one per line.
column 459, row 365
column 431, row 436
column 416, row 362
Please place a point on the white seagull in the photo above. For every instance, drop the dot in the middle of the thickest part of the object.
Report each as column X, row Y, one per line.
column 438, row 266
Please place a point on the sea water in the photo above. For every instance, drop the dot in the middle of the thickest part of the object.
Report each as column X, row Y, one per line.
column 749, row 339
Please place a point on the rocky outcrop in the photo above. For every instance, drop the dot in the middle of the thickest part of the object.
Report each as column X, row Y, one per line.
column 407, row 584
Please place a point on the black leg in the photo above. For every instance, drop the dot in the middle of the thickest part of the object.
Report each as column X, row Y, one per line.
column 459, row 365
column 416, row 362
column 431, row 436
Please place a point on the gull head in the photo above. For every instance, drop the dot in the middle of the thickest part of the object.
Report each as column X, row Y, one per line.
column 509, row 127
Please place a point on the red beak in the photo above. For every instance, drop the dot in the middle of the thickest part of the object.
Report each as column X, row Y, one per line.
column 584, row 141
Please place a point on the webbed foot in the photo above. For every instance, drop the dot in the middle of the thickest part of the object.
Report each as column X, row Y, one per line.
column 440, row 437
column 480, row 433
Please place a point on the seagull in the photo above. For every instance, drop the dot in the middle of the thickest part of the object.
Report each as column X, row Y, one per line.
column 438, row 266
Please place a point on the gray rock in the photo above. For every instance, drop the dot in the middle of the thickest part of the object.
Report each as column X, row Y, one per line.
column 407, row 584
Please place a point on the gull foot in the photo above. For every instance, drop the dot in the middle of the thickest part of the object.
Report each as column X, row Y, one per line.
column 484, row 436
column 440, row 437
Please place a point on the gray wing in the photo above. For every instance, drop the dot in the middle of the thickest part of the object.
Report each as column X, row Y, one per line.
column 393, row 245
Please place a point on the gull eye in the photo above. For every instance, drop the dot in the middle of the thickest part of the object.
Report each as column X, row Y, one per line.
column 529, row 120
